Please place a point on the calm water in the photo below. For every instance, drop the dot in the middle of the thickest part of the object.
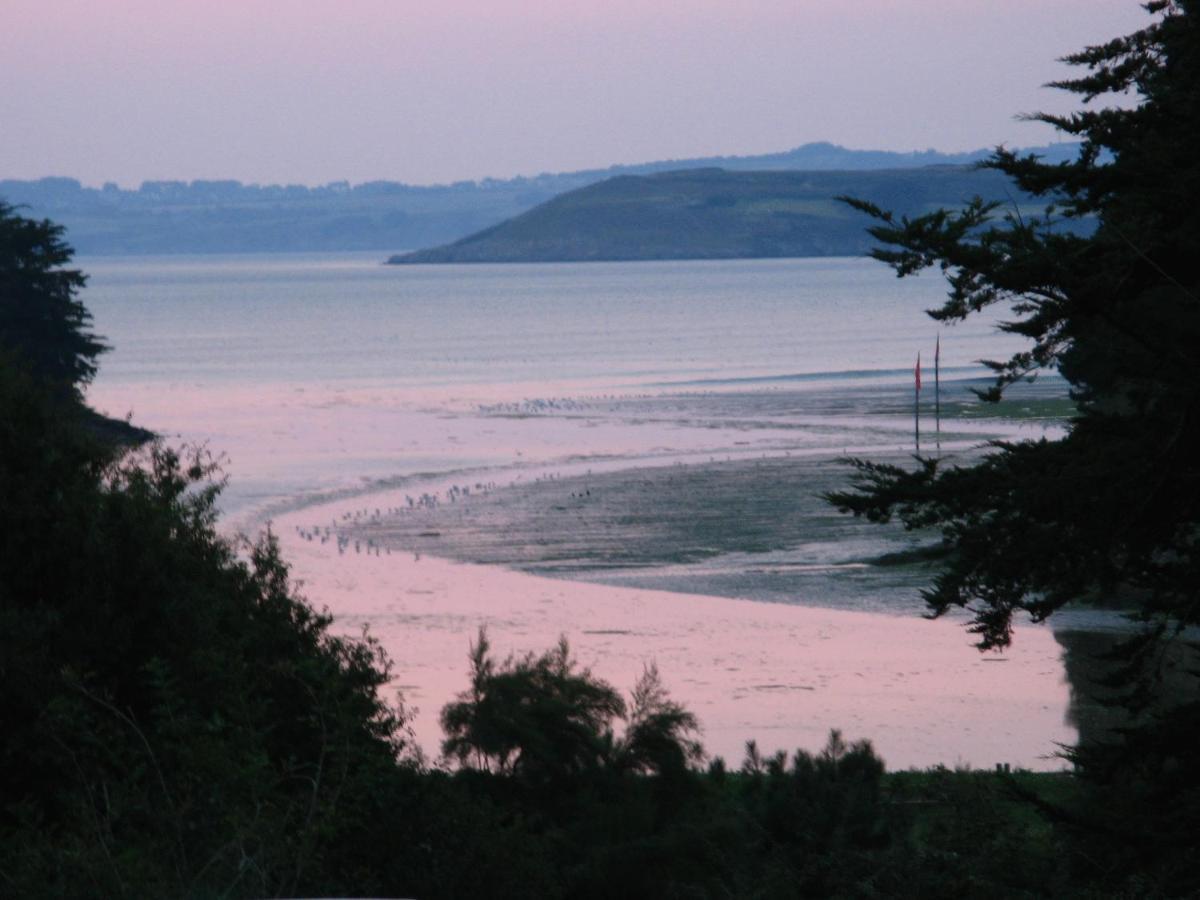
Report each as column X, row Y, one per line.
column 347, row 319
column 320, row 372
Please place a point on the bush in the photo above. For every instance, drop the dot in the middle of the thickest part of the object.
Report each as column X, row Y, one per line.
column 177, row 719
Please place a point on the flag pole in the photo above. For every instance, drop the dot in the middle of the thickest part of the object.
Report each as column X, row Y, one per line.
column 917, row 403
column 937, row 390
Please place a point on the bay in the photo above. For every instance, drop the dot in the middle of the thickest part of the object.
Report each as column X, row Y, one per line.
column 284, row 338
column 430, row 442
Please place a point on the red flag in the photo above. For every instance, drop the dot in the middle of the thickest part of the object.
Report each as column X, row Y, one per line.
column 917, row 371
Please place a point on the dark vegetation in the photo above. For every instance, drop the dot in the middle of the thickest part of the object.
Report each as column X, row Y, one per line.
column 231, row 217
column 1110, row 512
column 712, row 214
column 178, row 721
column 44, row 326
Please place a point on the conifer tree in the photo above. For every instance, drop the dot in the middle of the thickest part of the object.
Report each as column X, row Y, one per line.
column 1105, row 286
column 43, row 324
column 1113, row 303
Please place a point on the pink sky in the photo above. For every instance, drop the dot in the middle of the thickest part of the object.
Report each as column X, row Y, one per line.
column 311, row 91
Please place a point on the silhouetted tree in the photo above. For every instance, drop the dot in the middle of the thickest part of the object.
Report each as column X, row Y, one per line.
column 177, row 721
column 660, row 736
column 1112, row 509
column 1114, row 505
column 534, row 716
column 42, row 321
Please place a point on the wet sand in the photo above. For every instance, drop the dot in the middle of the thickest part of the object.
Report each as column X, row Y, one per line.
column 754, row 528
column 667, row 553
column 782, row 674
column 696, row 502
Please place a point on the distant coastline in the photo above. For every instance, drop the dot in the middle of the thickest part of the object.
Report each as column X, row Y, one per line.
column 717, row 214
column 227, row 216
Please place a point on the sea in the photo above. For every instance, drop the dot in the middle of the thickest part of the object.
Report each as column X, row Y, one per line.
column 318, row 372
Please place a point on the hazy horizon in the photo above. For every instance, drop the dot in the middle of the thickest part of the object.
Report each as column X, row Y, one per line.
column 133, row 186
column 314, row 91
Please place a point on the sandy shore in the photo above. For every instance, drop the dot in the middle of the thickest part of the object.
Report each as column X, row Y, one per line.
column 783, row 675
column 691, row 496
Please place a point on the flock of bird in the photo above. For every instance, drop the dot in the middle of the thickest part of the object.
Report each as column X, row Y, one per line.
column 369, row 516
column 546, row 405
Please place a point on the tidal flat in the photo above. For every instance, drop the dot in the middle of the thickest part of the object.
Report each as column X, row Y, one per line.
column 770, row 614
column 628, row 455
column 751, row 528
column 749, row 522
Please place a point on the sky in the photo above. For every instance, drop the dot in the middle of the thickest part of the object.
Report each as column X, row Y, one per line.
column 313, row 91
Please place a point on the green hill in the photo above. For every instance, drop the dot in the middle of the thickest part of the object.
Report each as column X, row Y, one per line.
column 715, row 214
column 230, row 217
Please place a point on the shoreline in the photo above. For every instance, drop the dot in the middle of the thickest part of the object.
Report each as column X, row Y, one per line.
column 664, row 525
column 780, row 674
column 442, row 554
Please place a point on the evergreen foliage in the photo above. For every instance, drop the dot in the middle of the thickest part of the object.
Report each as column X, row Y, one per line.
column 42, row 320
column 1111, row 511
column 533, row 716
column 542, row 719
column 177, row 721
column 660, row 737
column 1114, row 506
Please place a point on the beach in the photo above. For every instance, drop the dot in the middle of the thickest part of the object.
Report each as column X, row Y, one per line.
column 769, row 614
column 574, row 451
column 783, row 675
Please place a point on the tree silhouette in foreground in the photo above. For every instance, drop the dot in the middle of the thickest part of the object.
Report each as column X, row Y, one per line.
column 543, row 719
column 177, row 720
column 534, row 716
column 42, row 321
column 1111, row 511
column 660, row 735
